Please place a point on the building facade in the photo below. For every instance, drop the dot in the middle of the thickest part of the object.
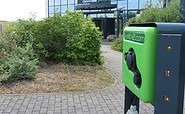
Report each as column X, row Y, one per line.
column 109, row 15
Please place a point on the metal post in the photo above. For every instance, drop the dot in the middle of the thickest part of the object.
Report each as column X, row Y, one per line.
column 54, row 7
column 121, row 24
column 129, row 97
column 124, row 17
column 127, row 10
column 117, row 34
column 169, row 92
column 68, row 4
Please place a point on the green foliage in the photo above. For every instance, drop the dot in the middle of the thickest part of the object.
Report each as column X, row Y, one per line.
column 20, row 63
column 83, row 40
column 16, row 62
column 118, row 44
column 8, row 41
column 152, row 13
column 68, row 39
column 23, row 31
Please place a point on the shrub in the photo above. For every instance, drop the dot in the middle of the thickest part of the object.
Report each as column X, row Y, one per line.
column 16, row 62
column 118, row 44
column 20, row 63
column 69, row 39
column 23, row 31
column 8, row 41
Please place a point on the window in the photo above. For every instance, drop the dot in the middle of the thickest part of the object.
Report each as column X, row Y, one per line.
column 92, row 15
column 57, row 9
column 51, row 2
column 63, row 9
column 114, row 2
column 57, row 2
column 101, row 15
column 75, row 1
column 64, row 2
column 133, row 4
column 71, row 1
column 51, row 14
column 159, row 2
column 110, row 15
column 51, row 9
column 142, row 4
column 122, row 4
column 71, row 8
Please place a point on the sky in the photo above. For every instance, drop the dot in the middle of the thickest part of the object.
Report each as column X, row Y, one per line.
column 11, row 10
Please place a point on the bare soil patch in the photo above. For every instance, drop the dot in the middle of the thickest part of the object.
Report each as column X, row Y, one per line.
column 61, row 78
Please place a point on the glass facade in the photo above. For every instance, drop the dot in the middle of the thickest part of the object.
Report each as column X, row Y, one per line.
column 55, row 6
column 103, row 11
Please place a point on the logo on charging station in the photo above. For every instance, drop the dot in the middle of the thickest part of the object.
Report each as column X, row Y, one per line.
column 135, row 37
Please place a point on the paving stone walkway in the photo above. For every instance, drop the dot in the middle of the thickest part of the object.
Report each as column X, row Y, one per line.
column 107, row 101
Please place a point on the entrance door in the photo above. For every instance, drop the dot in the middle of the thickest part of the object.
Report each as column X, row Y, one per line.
column 107, row 25
column 99, row 23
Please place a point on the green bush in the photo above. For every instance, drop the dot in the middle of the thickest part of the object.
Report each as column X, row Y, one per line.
column 20, row 63
column 23, row 31
column 15, row 62
column 118, row 44
column 68, row 39
column 8, row 40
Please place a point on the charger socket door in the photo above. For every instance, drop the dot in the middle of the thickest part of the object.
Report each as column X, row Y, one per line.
column 143, row 40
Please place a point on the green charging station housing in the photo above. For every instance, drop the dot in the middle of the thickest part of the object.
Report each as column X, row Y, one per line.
column 143, row 41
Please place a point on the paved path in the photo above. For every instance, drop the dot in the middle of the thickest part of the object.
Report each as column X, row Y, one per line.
column 107, row 101
column 114, row 64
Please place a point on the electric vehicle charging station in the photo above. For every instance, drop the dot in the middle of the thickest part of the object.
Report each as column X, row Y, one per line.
column 153, row 66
